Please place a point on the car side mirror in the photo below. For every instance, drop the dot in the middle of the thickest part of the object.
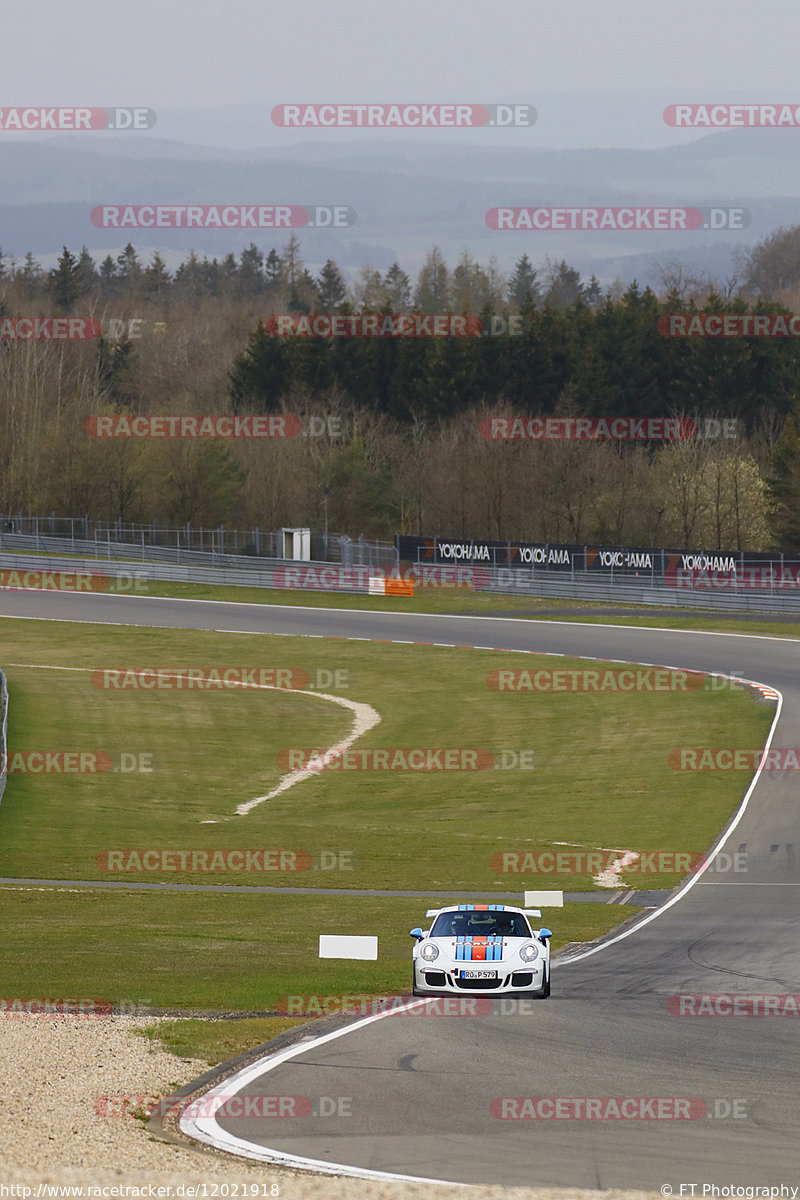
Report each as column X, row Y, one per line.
column 544, row 934
column 416, row 933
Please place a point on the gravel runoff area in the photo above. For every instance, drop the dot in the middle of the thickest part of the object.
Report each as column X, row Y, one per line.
column 56, row 1072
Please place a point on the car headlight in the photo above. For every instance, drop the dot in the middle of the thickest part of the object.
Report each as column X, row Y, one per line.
column 429, row 951
column 529, row 953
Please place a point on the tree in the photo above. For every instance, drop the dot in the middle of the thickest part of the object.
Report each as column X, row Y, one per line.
column 563, row 284
column 199, row 483
column 331, row 288
column 302, row 293
column 291, row 260
column 523, row 286
column 30, row 276
column 398, row 289
column 129, row 270
column 251, row 271
column 228, row 275
column 189, row 277
column 108, row 277
column 369, row 292
column 360, row 492
column 273, row 271
column 65, row 282
column 432, row 293
column 773, row 264
column 593, row 292
column 469, row 285
column 157, row 278
column 783, row 484
column 87, row 272
column 261, row 375
column 115, row 363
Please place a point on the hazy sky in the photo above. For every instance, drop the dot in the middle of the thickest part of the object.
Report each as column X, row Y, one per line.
column 161, row 53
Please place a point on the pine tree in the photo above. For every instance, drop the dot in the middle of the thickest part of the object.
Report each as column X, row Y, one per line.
column 157, row 278
column 189, row 277
column 432, row 293
column 30, row 276
column 564, row 284
column 129, row 270
column 273, row 271
column 251, row 271
column 593, row 292
column 303, row 296
column 331, row 288
column 108, row 277
column 523, row 286
column 65, row 283
column 398, row 288
column 260, row 375
column 292, row 262
column 87, row 272
column 783, row 485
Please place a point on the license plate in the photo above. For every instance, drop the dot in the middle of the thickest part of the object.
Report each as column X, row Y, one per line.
column 479, row 974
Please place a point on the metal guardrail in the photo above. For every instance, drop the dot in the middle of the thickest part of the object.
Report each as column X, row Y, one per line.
column 332, row 577
column 69, row 535
column 3, row 733
column 22, row 543
column 585, row 586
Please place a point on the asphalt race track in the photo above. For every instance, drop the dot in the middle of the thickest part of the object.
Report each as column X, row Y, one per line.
column 421, row 1089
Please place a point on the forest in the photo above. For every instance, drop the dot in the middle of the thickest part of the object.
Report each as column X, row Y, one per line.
column 391, row 383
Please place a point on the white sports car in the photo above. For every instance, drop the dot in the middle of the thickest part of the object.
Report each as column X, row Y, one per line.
column 482, row 949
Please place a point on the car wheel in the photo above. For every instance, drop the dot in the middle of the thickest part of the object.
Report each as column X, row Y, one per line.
column 543, row 992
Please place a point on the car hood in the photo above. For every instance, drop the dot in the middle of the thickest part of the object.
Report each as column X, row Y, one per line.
column 491, row 948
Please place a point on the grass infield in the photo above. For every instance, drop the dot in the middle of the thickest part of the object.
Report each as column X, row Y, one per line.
column 601, row 778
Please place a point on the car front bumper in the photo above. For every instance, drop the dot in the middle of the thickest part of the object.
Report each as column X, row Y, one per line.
column 445, row 979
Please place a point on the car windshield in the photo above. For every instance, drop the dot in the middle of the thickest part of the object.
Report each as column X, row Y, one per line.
column 480, row 924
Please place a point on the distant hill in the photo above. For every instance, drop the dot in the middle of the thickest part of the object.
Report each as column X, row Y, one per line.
column 408, row 196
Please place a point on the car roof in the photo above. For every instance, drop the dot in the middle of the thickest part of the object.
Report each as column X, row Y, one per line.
column 509, row 908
